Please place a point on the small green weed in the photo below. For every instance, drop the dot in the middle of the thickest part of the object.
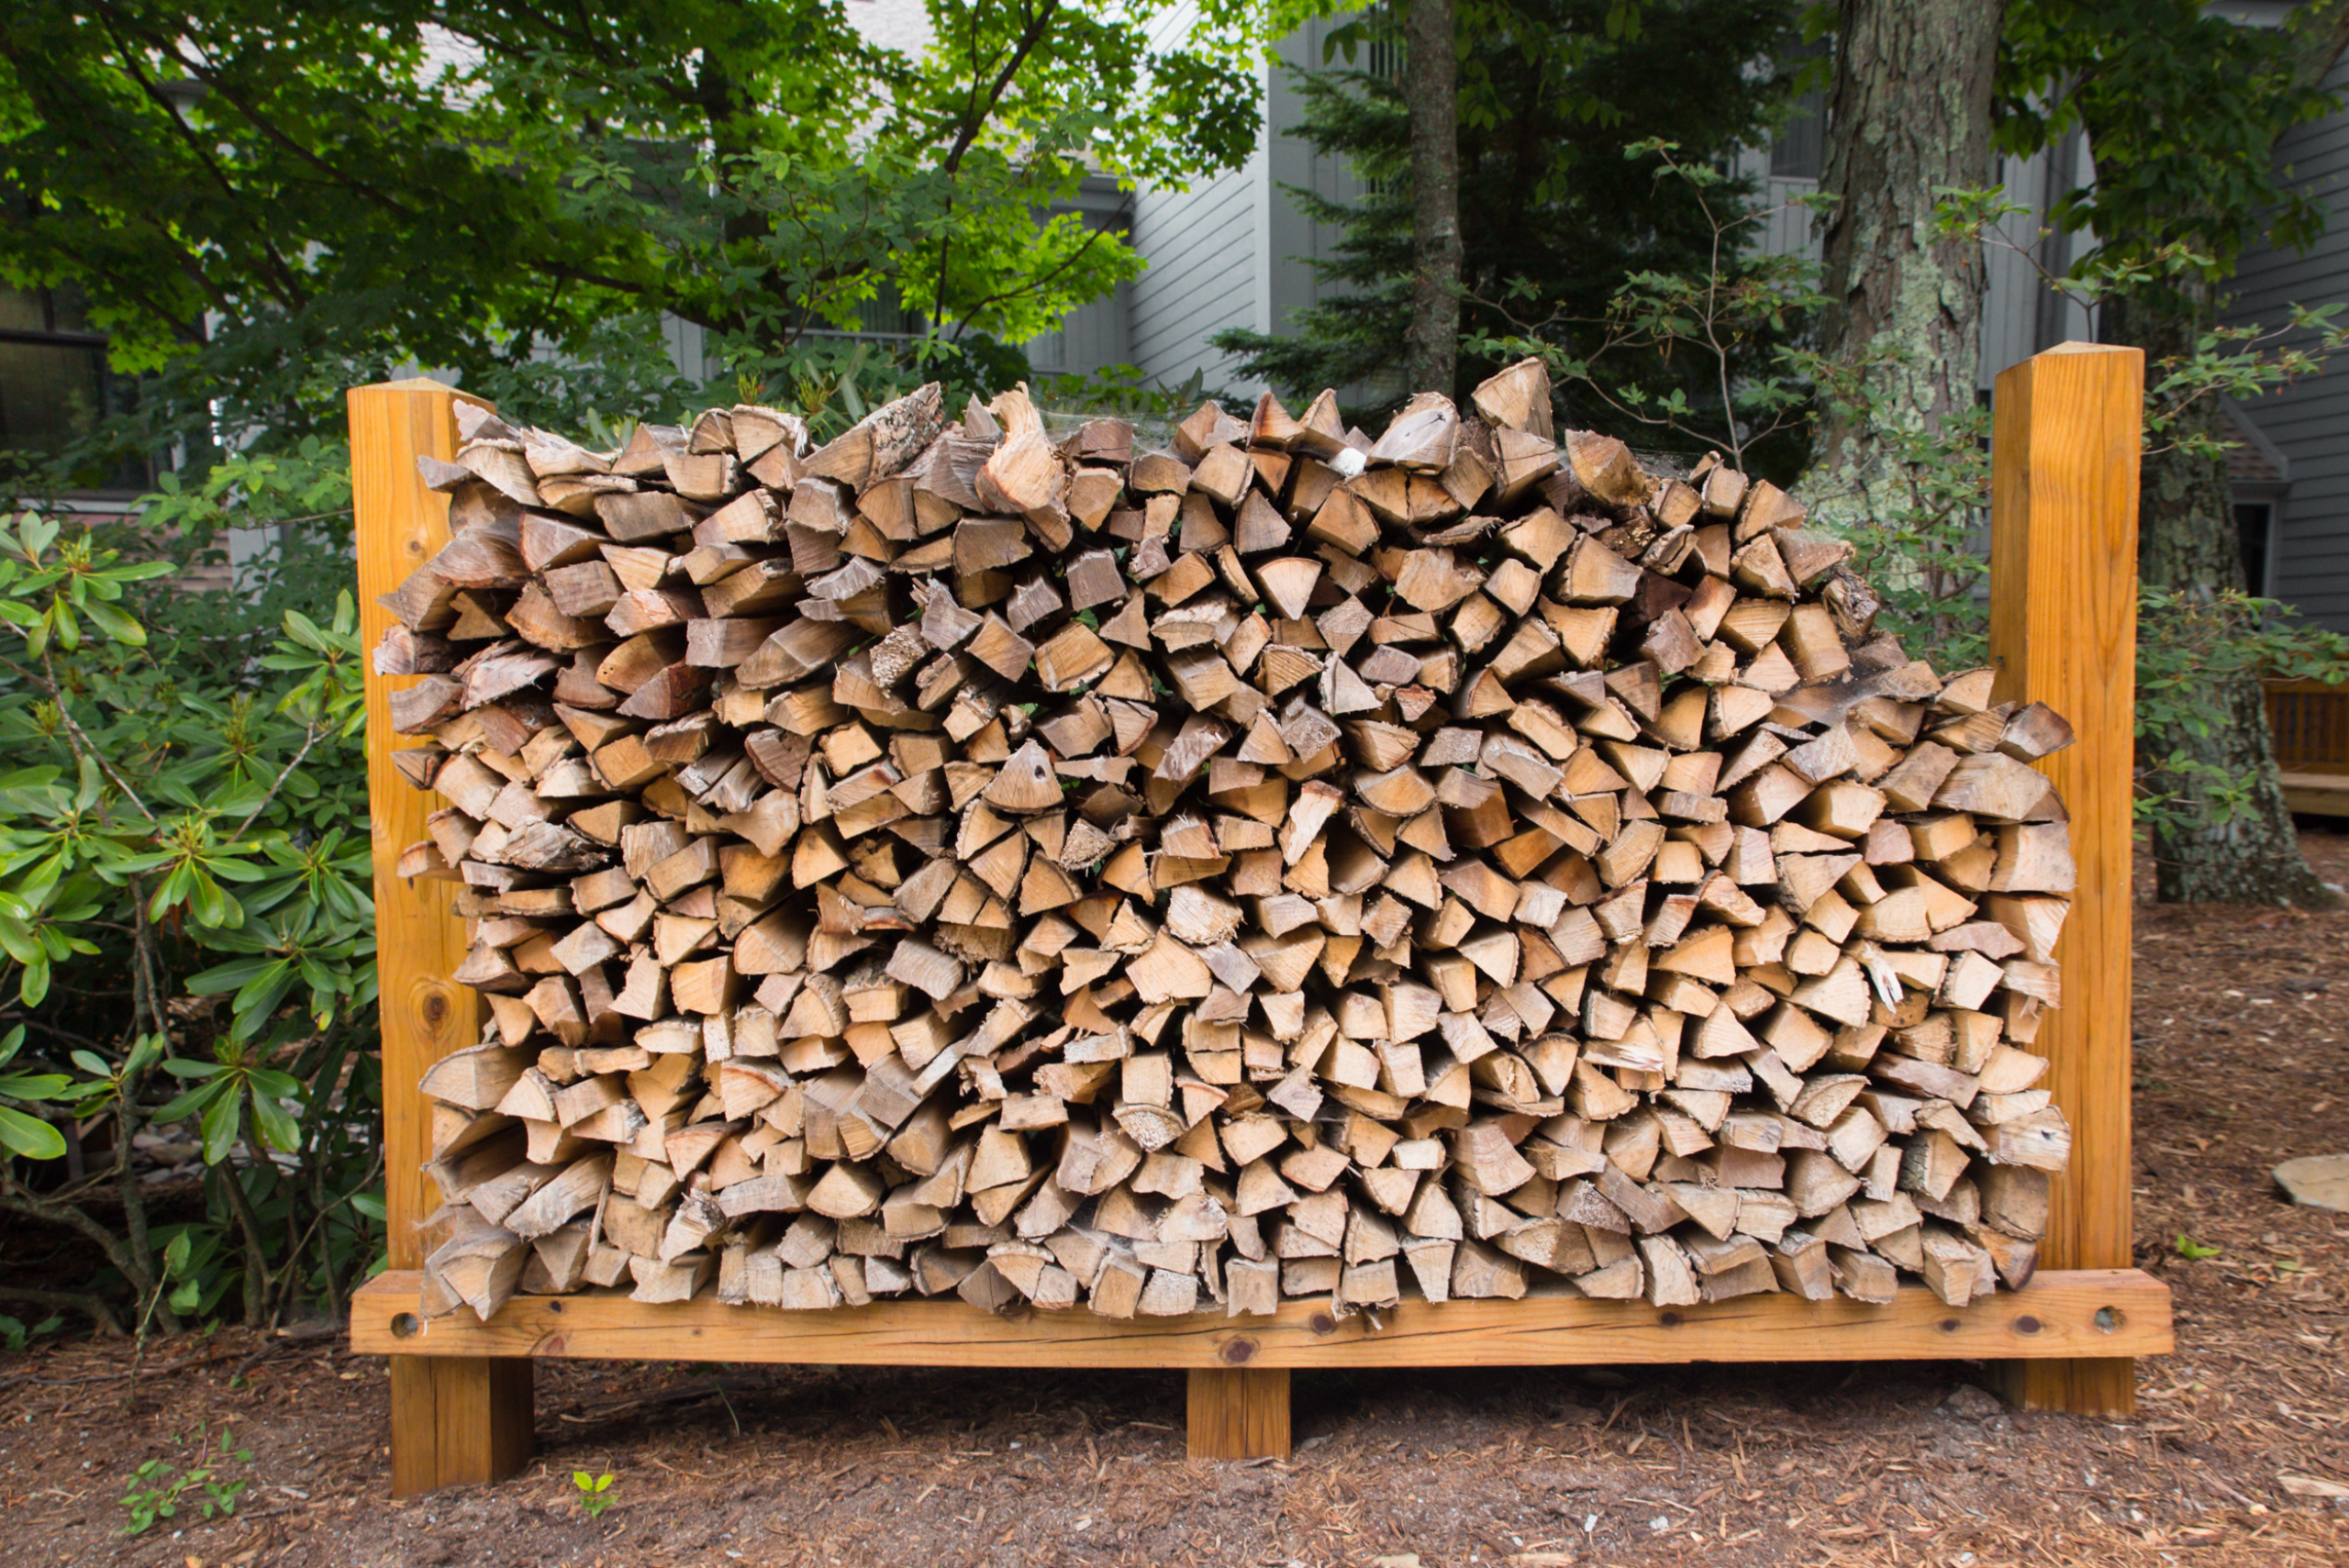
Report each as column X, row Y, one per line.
column 2188, row 1248
column 594, row 1491
column 157, row 1488
column 14, row 1335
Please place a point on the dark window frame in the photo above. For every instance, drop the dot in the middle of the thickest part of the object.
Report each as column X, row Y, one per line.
column 108, row 385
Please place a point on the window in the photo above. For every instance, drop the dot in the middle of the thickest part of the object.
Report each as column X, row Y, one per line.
column 54, row 383
column 2253, row 522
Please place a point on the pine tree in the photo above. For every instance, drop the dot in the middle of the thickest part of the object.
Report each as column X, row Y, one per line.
column 1553, row 215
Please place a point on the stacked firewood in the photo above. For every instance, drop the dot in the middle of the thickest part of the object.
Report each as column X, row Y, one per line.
column 966, row 858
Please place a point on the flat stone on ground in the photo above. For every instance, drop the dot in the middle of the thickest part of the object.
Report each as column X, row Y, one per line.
column 2317, row 1181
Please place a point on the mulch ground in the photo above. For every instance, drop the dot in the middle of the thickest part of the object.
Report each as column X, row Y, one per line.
column 2240, row 1063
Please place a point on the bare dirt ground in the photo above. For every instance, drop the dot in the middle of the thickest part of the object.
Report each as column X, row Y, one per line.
column 2240, row 1063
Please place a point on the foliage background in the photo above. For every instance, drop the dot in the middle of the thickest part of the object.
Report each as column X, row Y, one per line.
column 184, row 907
column 1552, row 217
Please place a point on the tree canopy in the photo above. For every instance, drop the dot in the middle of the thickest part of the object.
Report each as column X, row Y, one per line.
column 261, row 203
column 2182, row 106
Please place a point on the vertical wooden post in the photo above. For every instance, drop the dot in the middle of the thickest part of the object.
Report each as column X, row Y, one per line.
column 1239, row 1413
column 2064, row 631
column 454, row 1420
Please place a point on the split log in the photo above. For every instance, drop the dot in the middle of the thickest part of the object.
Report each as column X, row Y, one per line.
column 1434, row 863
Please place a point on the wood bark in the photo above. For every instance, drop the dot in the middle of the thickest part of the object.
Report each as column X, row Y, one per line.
column 1431, row 97
column 1908, row 116
column 2205, row 852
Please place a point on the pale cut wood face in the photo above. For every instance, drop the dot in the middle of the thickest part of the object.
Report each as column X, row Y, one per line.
column 1261, row 870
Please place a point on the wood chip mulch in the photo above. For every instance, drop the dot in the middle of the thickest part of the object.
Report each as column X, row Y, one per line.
column 2242, row 1060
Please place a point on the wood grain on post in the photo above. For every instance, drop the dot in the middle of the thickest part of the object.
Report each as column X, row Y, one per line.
column 2064, row 631
column 458, row 1420
column 1239, row 1413
column 452, row 1421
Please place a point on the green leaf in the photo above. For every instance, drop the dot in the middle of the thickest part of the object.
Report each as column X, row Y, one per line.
column 278, row 1130
column 29, row 1136
column 33, row 1085
column 115, row 623
column 222, row 1121
column 305, row 631
column 17, row 940
column 38, row 533
column 269, row 1081
column 2190, row 1248
column 188, row 1067
column 226, row 977
column 199, row 1098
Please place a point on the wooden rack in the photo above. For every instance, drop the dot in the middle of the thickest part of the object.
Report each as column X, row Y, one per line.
column 2063, row 631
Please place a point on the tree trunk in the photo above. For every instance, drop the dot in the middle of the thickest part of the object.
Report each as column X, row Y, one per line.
column 1430, row 96
column 2241, row 851
column 1909, row 115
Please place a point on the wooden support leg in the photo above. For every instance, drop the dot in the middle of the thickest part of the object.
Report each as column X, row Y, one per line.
column 2106, row 1386
column 1239, row 1413
column 2063, row 631
column 458, row 1420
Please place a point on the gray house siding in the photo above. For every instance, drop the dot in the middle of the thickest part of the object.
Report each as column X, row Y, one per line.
column 1097, row 333
column 1205, row 248
column 1296, row 241
column 1091, row 337
column 2309, row 423
column 1231, row 252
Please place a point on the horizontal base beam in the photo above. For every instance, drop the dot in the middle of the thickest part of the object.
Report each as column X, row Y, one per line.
column 2062, row 1315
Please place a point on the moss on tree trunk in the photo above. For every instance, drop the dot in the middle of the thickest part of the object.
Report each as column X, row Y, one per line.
column 1910, row 116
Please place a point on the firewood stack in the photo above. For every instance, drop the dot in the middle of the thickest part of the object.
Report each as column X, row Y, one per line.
column 955, row 859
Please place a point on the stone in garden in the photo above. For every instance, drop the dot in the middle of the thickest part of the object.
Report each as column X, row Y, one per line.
column 1971, row 1404
column 2316, row 1181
